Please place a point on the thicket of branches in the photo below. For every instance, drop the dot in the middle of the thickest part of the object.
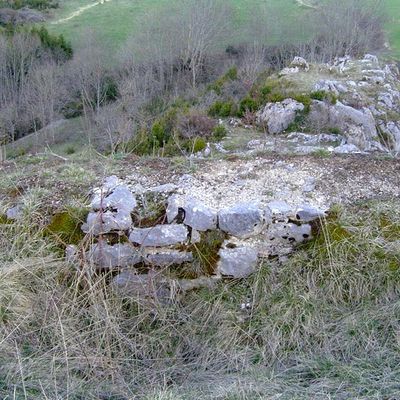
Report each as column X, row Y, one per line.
column 175, row 54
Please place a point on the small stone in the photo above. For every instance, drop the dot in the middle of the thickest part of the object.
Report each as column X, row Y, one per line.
column 195, row 237
column 118, row 255
column 307, row 213
column 242, row 220
column 14, row 213
column 71, row 254
column 195, row 213
column 121, row 198
column 159, row 235
column 168, row 257
column 100, row 223
column 239, row 262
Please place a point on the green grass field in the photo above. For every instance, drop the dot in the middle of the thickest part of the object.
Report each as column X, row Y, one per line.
column 116, row 20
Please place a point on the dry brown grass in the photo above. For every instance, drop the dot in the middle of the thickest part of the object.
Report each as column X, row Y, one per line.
column 324, row 325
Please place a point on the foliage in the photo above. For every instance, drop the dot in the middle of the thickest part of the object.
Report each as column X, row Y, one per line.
column 222, row 109
column 230, row 75
column 219, row 132
column 56, row 44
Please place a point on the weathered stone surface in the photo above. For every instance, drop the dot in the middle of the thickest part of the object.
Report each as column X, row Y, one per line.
column 198, row 216
column 175, row 207
column 289, row 232
column 277, row 117
column 168, row 257
column 346, row 149
column 99, row 223
column 242, row 220
column 120, row 198
column 239, row 262
column 330, row 86
column 14, row 213
column 118, row 255
column 357, row 125
column 159, row 235
column 279, row 210
column 307, row 213
column 301, row 63
column 195, row 213
column 392, row 131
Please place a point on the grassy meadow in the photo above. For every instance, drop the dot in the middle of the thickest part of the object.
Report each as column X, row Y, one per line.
column 115, row 21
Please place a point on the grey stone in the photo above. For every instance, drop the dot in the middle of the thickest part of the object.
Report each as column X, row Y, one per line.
column 100, row 223
column 335, row 87
column 15, row 213
column 198, row 216
column 159, row 235
column 242, row 220
column 120, row 198
column 168, row 257
column 307, row 213
column 290, row 233
column 300, row 63
column 239, row 262
column 392, row 130
column 175, row 204
column 277, row 117
column 195, row 213
column 346, row 149
column 71, row 254
column 358, row 126
column 119, row 255
column 195, row 237
column 279, row 210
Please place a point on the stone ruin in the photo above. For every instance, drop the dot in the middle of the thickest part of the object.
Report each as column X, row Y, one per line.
column 146, row 236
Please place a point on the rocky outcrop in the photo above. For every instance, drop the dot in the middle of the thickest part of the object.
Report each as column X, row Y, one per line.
column 358, row 126
column 359, row 98
column 277, row 117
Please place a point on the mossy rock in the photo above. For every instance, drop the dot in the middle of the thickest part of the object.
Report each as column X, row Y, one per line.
column 65, row 226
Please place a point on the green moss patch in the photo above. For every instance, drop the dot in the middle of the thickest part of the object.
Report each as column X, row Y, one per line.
column 65, row 226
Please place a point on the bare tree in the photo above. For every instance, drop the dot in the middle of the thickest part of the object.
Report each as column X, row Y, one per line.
column 347, row 27
column 199, row 29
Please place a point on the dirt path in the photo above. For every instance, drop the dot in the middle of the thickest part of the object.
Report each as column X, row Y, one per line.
column 302, row 3
column 79, row 11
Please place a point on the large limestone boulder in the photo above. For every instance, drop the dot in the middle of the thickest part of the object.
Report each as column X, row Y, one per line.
column 277, row 117
column 239, row 262
column 358, row 126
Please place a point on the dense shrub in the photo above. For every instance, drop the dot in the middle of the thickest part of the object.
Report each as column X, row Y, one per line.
column 222, row 109
column 248, row 104
column 219, row 132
